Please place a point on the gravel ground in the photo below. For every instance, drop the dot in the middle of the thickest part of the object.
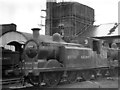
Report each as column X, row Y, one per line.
column 99, row 83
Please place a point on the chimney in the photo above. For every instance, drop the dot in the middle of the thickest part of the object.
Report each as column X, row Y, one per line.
column 35, row 32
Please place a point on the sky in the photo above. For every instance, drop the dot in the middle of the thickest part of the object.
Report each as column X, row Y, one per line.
column 26, row 13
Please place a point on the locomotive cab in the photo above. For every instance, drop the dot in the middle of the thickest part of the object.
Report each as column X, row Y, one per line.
column 97, row 46
column 11, row 58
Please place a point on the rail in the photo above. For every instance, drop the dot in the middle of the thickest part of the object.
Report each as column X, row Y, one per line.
column 10, row 81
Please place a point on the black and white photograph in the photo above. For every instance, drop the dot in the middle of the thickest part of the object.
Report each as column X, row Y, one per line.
column 59, row 44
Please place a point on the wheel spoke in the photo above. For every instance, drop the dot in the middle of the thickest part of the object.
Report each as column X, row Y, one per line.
column 86, row 75
column 35, row 80
column 52, row 78
column 112, row 72
column 104, row 73
column 72, row 77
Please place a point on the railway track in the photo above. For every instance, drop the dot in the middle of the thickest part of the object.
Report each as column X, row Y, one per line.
column 10, row 81
column 99, row 83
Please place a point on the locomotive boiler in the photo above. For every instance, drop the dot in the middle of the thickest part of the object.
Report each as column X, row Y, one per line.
column 53, row 60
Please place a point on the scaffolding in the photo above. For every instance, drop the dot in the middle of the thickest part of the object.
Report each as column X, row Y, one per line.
column 68, row 14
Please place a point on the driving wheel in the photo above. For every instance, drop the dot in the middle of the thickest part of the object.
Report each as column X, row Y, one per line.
column 86, row 75
column 52, row 78
column 72, row 77
column 35, row 80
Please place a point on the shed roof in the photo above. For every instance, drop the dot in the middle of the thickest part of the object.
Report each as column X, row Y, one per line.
column 11, row 36
column 22, row 37
column 100, row 31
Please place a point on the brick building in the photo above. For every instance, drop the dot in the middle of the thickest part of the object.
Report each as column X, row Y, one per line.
column 7, row 27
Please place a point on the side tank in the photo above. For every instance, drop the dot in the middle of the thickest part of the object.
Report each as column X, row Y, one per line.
column 48, row 52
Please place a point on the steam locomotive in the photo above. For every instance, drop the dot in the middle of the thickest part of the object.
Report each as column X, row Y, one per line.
column 51, row 61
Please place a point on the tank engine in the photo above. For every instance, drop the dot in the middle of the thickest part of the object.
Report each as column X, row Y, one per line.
column 51, row 61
